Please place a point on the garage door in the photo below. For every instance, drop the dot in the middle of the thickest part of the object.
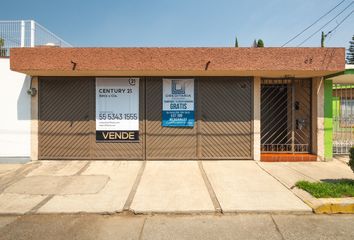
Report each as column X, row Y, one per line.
column 64, row 114
column 67, row 122
column 165, row 142
column 223, row 113
column 226, row 114
column 121, row 150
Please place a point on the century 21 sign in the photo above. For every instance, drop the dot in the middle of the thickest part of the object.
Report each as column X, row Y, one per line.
column 117, row 109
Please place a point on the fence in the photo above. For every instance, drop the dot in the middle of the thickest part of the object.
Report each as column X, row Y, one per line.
column 343, row 118
column 26, row 33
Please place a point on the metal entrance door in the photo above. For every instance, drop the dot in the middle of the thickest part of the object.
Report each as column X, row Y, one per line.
column 343, row 118
column 286, row 115
column 64, row 118
column 226, row 114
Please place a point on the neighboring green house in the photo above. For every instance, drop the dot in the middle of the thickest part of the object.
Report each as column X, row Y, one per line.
column 339, row 112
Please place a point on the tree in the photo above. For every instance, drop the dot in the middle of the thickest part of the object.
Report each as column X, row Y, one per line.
column 350, row 53
column 351, row 159
column 2, row 50
column 260, row 43
column 236, row 42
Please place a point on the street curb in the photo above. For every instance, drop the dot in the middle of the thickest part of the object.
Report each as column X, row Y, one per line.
column 326, row 205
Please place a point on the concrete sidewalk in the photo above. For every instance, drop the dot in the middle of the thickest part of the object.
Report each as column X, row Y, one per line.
column 289, row 173
column 143, row 187
column 241, row 186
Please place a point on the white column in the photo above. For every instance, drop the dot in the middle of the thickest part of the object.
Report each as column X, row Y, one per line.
column 34, row 121
column 257, row 118
column 22, row 33
column 33, row 31
column 318, row 117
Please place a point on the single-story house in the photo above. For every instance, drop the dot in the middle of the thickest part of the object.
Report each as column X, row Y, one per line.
column 342, row 115
column 178, row 103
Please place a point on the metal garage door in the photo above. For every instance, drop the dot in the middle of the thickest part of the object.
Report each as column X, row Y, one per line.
column 67, row 122
column 226, row 118
column 64, row 118
column 165, row 142
column 121, row 150
column 223, row 114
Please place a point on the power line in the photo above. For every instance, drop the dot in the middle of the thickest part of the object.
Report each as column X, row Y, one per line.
column 326, row 24
column 340, row 23
column 313, row 23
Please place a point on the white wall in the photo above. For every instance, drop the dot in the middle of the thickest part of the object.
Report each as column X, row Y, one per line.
column 15, row 112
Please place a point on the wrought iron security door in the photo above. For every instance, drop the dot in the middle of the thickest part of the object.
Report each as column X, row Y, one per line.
column 286, row 115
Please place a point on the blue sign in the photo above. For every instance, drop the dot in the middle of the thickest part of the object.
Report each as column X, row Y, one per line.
column 178, row 103
column 178, row 118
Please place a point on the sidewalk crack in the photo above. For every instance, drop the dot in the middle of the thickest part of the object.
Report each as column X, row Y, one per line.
column 142, row 229
column 277, row 227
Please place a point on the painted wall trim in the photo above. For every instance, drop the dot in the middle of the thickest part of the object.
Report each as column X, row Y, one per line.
column 34, row 122
column 256, row 118
column 328, row 122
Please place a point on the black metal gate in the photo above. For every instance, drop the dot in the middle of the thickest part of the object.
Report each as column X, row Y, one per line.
column 286, row 115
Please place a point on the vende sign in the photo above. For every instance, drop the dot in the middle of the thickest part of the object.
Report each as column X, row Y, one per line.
column 117, row 109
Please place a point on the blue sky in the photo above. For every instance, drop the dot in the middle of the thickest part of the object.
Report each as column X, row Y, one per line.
column 182, row 23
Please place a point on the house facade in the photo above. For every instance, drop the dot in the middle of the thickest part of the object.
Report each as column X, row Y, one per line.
column 178, row 103
column 342, row 112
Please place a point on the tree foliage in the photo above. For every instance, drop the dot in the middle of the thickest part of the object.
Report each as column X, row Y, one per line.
column 3, row 51
column 260, row 43
column 236, row 42
column 351, row 158
column 350, row 53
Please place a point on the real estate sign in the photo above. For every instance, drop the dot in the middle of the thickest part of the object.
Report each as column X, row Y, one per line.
column 178, row 103
column 117, row 109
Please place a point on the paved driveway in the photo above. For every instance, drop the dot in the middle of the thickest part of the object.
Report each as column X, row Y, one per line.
column 244, row 186
column 143, row 187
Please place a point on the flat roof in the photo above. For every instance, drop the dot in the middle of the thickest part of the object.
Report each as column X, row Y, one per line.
column 267, row 62
column 345, row 77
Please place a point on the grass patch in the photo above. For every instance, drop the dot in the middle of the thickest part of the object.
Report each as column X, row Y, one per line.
column 328, row 189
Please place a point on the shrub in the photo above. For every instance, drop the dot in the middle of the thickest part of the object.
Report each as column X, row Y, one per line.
column 351, row 158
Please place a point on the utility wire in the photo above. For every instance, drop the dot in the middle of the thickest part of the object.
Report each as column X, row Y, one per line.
column 313, row 23
column 326, row 24
column 340, row 23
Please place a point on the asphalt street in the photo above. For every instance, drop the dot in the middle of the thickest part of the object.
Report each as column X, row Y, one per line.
column 236, row 226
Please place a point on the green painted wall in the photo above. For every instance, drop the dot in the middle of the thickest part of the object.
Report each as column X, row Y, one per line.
column 328, row 123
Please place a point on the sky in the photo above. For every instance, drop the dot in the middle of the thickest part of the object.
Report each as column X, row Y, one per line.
column 184, row 23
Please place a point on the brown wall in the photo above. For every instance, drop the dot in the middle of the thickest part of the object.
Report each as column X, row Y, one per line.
column 178, row 61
